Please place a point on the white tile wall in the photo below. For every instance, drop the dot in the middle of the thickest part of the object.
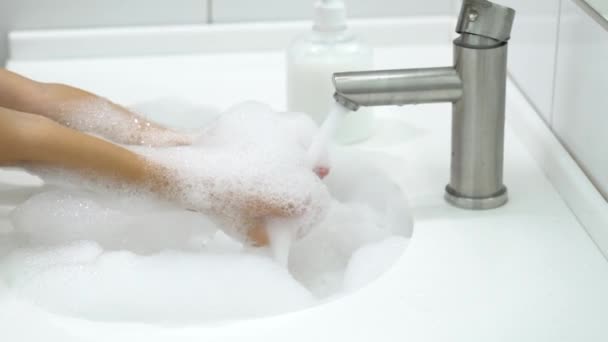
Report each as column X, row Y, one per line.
column 580, row 116
column 559, row 58
column 34, row 14
column 246, row 10
column 532, row 50
column 91, row 13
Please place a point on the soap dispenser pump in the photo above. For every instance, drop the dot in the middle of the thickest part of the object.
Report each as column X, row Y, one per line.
column 313, row 58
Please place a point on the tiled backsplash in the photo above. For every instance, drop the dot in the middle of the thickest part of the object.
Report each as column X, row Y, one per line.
column 580, row 106
column 532, row 50
column 559, row 58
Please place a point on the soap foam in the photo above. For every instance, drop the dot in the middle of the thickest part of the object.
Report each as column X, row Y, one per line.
column 75, row 215
column 250, row 159
column 119, row 255
column 249, row 163
column 166, row 287
column 366, row 209
column 370, row 261
column 102, row 117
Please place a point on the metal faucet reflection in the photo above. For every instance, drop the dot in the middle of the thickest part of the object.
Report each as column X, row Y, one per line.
column 476, row 87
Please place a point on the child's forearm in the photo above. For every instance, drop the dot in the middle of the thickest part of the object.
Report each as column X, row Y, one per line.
column 83, row 111
column 19, row 93
column 15, row 147
column 61, row 103
column 54, row 101
column 29, row 138
column 92, row 157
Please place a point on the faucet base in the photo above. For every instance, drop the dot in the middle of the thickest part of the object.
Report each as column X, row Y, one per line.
column 494, row 201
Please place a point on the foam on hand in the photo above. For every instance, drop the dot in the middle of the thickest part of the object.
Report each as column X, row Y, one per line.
column 102, row 117
column 256, row 154
column 120, row 256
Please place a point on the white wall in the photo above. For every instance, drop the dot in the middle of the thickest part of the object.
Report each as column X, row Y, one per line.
column 532, row 50
column 42, row 14
column 245, row 10
column 35, row 14
column 580, row 110
column 559, row 58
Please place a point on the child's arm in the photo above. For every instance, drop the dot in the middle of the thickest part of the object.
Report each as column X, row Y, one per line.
column 29, row 139
column 83, row 111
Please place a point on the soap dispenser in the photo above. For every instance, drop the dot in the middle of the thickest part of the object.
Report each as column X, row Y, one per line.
column 312, row 59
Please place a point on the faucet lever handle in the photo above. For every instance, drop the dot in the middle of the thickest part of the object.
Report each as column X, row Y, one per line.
column 486, row 19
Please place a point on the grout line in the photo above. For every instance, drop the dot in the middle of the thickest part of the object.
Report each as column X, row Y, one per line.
column 209, row 11
column 555, row 65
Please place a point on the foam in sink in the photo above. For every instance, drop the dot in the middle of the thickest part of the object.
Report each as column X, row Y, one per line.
column 102, row 256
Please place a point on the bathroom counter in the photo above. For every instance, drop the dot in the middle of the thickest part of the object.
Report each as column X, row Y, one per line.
column 525, row 272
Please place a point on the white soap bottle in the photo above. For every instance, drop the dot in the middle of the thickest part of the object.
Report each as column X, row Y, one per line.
column 313, row 58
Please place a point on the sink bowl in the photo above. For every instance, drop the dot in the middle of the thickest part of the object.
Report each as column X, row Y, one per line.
column 521, row 272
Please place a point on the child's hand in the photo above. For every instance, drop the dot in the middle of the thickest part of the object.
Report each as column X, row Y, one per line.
column 258, row 167
column 241, row 212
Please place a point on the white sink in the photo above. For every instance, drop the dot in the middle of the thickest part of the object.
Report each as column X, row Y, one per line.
column 524, row 272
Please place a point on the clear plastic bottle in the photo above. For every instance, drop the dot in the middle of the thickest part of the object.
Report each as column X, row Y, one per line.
column 313, row 58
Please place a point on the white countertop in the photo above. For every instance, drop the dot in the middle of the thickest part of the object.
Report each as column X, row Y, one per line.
column 525, row 272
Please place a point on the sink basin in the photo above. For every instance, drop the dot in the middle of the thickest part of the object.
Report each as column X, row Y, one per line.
column 526, row 271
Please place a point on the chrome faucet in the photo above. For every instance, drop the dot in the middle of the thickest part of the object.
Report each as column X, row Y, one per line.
column 476, row 87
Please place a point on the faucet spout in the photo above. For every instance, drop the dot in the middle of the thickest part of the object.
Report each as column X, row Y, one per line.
column 397, row 87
